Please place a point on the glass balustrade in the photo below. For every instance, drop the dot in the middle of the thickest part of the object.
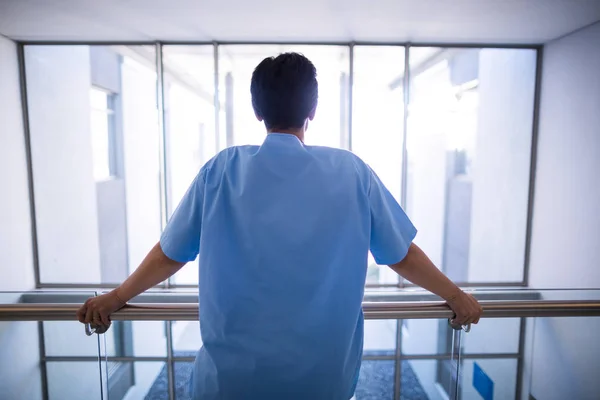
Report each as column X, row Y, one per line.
column 516, row 357
column 49, row 359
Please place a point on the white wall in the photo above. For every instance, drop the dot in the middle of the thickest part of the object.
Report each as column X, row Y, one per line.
column 16, row 257
column 566, row 220
column 19, row 360
column 565, row 359
column 58, row 87
column 565, row 248
column 74, row 380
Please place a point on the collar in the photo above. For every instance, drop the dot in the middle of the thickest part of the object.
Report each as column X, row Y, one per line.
column 274, row 136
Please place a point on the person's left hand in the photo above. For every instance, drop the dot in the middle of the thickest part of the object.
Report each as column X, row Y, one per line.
column 97, row 310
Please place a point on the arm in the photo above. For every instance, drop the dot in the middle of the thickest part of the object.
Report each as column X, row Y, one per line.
column 179, row 244
column 392, row 235
column 418, row 268
column 155, row 268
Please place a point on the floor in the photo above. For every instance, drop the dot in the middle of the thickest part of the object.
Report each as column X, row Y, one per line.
column 376, row 381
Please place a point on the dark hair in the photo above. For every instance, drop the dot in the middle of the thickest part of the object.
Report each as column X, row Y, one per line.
column 284, row 90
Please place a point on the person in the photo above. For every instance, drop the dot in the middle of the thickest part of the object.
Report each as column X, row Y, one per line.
column 283, row 231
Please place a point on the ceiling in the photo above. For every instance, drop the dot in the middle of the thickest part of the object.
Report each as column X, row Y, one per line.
column 441, row 21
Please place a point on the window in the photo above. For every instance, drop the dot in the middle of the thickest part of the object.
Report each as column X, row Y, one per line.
column 95, row 158
column 189, row 87
column 470, row 126
column 238, row 122
column 465, row 120
column 377, row 124
column 103, row 131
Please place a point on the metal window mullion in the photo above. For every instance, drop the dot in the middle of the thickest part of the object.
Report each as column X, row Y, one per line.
column 216, row 100
column 398, row 361
column 162, row 138
column 101, row 367
column 29, row 161
column 350, row 94
column 170, row 362
column 521, row 358
column 533, row 163
column 321, row 43
column 32, row 211
column 404, row 167
column 43, row 363
column 403, row 185
column 406, row 95
column 164, row 205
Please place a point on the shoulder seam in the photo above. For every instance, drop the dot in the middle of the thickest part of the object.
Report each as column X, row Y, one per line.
column 359, row 164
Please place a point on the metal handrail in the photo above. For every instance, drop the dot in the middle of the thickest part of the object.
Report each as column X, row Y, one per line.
column 372, row 310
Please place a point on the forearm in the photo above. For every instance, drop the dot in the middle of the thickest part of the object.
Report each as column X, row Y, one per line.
column 155, row 268
column 418, row 268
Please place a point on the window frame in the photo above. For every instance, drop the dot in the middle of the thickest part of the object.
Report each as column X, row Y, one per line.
column 217, row 103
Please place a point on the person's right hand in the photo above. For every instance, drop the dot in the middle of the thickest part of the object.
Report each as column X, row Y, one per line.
column 97, row 310
column 467, row 310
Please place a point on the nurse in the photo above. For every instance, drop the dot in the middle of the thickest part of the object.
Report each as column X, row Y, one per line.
column 282, row 232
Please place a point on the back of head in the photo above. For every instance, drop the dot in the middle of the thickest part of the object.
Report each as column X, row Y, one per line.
column 285, row 91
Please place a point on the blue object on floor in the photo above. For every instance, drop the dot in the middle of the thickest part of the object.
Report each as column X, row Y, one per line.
column 376, row 380
column 483, row 383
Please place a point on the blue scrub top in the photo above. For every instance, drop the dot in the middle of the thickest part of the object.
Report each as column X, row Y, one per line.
column 283, row 232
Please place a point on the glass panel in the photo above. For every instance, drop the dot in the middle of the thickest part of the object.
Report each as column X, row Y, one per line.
column 20, row 370
column 102, row 131
column 565, row 352
column 149, row 338
column 238, row 122
column 567, row 294
column 417, row 294
column 46, row 296
column 175, row 296
column 136, row 339
column 380, row 337
column 482, row 376
column 62, row 338
column 426, row 336
column 74, row 380
column 139, row 380
column 186, row 338
column 418, row 380
column 469, row 143
column 434, row 336
column 186, row 343
column 190, row 114
column 183, row 374
column 68, row 338
column 493, row 335
column 378, row 111
column 93, row 115
column 498, row 339
column 189, row 83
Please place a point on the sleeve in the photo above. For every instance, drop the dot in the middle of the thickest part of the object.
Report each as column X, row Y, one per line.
column 392, row 232
column 180, row 241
